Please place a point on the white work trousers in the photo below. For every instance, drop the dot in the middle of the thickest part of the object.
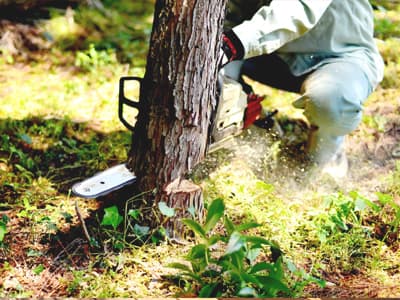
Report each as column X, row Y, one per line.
column 332, row 96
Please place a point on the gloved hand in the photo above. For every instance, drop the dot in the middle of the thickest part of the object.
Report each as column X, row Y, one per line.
column 231, row 49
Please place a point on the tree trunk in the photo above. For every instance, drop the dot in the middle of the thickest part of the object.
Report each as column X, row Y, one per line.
column 178, row 95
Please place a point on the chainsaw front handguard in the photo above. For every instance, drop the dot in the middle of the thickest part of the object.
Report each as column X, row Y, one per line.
column 123, row 100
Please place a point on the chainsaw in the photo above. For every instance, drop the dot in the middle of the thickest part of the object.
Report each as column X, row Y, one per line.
column 235, row 112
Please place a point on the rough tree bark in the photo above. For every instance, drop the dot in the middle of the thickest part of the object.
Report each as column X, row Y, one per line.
column 178, row 94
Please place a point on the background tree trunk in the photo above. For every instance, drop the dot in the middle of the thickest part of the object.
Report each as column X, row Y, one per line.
column 177, row 97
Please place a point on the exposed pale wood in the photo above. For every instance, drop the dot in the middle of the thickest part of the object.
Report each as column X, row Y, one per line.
column 182, row 195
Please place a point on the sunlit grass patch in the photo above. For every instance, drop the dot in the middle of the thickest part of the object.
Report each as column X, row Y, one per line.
column 62, row 92
column 59, row 151
column 393, row 182
column 135, row 273
column 388, row 49
column 122, row 27
column 322, row 231
column 250, row 199
column 387, row 23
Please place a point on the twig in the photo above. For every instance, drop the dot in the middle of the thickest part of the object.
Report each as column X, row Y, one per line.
column 85, row 231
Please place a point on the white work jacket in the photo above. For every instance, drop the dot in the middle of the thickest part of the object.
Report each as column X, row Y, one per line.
column 308, row 33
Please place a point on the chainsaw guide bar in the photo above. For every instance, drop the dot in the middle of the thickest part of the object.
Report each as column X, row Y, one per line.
column 235, row 112
column 104, row 182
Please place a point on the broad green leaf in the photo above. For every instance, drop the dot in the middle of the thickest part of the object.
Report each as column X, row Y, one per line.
column 273, row 284
column 67, row 216
column 248, row 278
column 229, row 226
column 236, row 242
column 252, row 254
column 277, row 271
column 209, row 290
column 4, row 219
column 214, row 272
column 247, row 292
column 196, row 227
column 262, row 266
column 198, row 265
column 247, row 226
column 94, row 243
column 321, row 283
column 118, row 245
column 373, row 206
column 3, row 231
column 134, row 213
column 39, row 269
column 385, row 198
column 141, row 231
column 26, row 138
column 165, row 210
column 360, row 204
column 237, row 259
column 111, row 217
column 215, row 239
column 340, row 222
column 214, row 213
column 259, row 241
column 198, row 251
column 158, row 235
column 358, row 199
column 311, row 279
column 291, row 266
column 234, row 275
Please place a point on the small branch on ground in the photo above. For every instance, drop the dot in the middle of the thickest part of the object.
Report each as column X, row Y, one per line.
column 85, row 231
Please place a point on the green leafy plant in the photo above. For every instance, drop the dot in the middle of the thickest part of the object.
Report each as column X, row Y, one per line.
column 91, row 59
column 38, row 269
column 165, row 210
column 233, row 263
column 3, row 227
column 390, row 215
column 342, row 213
column 341, row 235
column 129, row 230
column 112, row 217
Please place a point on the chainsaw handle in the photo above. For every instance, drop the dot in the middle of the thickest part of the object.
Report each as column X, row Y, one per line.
column 123, row 100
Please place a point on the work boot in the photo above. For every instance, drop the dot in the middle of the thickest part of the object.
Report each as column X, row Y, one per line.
column 337, row 166
column 328, row 154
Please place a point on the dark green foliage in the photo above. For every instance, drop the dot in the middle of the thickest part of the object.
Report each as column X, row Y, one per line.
column 59, row 150
column 232, row 262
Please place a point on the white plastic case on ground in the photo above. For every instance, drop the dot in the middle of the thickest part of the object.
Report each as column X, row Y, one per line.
column 104, row 182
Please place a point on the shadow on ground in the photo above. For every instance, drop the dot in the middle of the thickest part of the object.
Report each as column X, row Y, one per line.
column 40, row 160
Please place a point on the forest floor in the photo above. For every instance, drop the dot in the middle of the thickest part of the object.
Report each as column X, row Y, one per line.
column 59, row 124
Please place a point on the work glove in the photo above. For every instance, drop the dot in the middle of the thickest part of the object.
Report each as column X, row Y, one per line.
column 231, row 49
